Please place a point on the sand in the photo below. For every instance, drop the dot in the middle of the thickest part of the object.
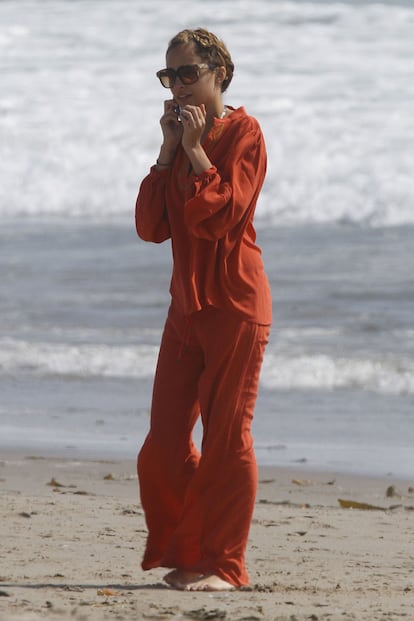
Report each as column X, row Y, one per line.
column 72, row 534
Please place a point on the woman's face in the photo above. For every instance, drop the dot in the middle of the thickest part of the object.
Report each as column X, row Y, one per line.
column 205, row 91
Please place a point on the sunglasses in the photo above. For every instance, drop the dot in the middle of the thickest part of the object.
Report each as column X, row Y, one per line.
column 188, row 74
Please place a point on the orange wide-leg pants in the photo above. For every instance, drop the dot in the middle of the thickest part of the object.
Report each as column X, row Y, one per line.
column 198, row 507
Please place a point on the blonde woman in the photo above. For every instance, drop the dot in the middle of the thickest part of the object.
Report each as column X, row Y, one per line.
column 201, row 194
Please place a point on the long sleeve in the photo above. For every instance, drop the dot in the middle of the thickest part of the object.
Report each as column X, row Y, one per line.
column 216, row 201
column 151, row 218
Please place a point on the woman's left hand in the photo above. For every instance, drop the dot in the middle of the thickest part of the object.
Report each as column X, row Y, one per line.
column 193, row 120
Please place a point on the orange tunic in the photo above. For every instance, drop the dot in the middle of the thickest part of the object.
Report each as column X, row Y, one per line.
column 209, row 218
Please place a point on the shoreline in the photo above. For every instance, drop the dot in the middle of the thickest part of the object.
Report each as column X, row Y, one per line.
column 73, row 533
column 304, row 465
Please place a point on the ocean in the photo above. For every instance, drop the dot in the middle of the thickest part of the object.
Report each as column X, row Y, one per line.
column 83, row 300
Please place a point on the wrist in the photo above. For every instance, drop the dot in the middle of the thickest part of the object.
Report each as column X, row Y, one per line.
column 165, row 157
column 162, row 164
column 199, row 160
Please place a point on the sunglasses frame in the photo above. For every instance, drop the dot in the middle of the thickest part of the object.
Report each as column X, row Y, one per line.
column 166, row 73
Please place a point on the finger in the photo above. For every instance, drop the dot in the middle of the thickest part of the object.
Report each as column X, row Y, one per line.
column 187, row 118
column 167, row 104
column 186, row 111
column 192, row 115
column 200, row 114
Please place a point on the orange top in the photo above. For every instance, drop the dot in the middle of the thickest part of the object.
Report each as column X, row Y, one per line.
column 209, row 218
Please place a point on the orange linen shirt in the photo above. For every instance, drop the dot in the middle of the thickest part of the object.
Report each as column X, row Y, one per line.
column 209, row 219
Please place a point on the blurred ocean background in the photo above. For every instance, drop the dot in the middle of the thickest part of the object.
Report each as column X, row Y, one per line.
column 83, row 301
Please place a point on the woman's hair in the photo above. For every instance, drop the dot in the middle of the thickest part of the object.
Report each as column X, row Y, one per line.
column 209, row 48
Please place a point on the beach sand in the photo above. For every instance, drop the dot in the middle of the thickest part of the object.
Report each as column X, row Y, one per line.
column 72, row 535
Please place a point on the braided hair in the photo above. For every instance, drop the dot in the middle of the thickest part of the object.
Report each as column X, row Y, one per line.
column 209, row 47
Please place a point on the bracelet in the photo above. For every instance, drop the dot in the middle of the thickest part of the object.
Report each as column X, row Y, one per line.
column 161, row 164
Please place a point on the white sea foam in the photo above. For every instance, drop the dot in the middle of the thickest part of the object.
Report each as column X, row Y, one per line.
column 393, row 375
column 87, row 360
column 79, row 106
column 390, row 375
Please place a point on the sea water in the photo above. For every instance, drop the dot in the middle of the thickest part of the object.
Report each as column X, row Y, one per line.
column 83, row 301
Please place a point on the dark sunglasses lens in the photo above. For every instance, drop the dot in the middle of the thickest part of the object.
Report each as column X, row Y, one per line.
column 167, row 77
column 188, row 74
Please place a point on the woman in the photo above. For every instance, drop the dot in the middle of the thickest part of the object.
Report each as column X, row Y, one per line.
column 201, row 194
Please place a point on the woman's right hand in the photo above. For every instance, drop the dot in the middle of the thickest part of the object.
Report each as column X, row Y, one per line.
column 172, row 129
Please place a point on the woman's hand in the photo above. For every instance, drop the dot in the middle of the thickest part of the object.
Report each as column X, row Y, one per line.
column 188, row 130
column 193, row 119
column 172, row 131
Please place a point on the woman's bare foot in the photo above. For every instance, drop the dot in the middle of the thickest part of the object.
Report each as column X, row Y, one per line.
column 180, row 578
column 209, row 583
